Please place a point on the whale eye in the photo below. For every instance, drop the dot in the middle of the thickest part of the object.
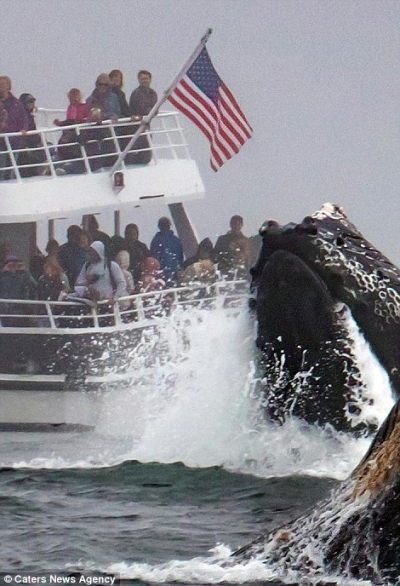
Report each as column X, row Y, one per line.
column 312, row 229
column 340, row 241
column 308, row 224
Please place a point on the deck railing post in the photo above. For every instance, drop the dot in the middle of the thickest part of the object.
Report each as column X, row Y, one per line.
column 117, row 313
column 180, row 131
column 13, row 159
column 140, row 308
column 50, row 315
column 83, row 153
column 169, row 141
column 95, row 317
column 49, row 160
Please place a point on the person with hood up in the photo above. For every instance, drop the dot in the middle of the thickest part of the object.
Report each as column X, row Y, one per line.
column 101, row 278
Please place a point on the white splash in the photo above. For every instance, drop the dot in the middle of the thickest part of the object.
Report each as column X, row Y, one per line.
column 193, row 399
column 218, row 568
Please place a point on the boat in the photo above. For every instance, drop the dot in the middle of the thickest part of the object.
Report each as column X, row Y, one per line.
column 58, row 359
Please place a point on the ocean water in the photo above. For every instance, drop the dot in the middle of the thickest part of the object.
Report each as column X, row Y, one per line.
column 182, row 470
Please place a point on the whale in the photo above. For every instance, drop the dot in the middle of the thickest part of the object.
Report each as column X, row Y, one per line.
column 309, row 277
column 354, row 533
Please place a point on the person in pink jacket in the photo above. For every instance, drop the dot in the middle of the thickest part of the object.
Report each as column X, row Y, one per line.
column 77, row 110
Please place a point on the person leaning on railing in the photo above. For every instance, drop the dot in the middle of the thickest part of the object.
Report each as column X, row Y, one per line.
column 104, row 105
column 100, row 279
column 53, row 285
column 141, row 102
column 69, row 151
column 77, row 111
column 17, row 121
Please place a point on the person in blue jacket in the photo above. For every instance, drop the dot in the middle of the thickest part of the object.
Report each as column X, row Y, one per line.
column 167, row 249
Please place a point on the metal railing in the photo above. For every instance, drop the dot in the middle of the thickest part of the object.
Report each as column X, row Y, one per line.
column 139, row 310
column 87, row 148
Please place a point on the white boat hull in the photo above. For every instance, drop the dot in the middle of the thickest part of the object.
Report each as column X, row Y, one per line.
column 58, row 378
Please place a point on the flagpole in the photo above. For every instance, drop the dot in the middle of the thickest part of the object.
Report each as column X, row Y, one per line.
column 153, row 112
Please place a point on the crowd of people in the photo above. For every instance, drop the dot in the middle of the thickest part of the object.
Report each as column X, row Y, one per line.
column 92, row 265
column 106, row 102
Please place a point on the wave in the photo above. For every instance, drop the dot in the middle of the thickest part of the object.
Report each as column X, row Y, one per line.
column 218, row 568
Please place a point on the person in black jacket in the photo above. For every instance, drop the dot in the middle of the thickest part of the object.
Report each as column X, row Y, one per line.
column 72, row 255
column 35, row 154
column 138, row 251
column 16, row 282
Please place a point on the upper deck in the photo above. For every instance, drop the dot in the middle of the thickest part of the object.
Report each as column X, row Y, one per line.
column 82, row 183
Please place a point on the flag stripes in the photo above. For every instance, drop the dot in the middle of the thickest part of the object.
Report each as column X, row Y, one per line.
column 204, row 98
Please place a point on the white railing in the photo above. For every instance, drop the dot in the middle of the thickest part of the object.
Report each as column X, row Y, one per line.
column 87, row 148
column 140, row 309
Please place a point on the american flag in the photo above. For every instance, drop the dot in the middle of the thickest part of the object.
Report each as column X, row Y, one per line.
column 204, row 98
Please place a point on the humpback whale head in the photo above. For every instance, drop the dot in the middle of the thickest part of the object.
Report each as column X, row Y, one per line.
column 304, row 270
column 352, row 270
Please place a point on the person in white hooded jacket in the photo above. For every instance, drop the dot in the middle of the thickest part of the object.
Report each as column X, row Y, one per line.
column 102, row 278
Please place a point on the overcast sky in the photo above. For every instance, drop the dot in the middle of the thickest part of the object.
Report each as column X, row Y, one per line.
column 318, row 80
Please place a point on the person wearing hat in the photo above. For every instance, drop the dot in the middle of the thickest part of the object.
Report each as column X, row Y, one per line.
column 16, row 282
column 35, row 155
column 101, row 278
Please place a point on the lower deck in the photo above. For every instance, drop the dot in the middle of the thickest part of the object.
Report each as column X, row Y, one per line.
column 60, row 360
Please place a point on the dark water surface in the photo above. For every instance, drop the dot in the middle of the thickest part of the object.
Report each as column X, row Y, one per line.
column 183, row 470
column 142, row 513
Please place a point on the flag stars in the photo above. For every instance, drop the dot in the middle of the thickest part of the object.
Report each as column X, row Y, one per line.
column 203, row 74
